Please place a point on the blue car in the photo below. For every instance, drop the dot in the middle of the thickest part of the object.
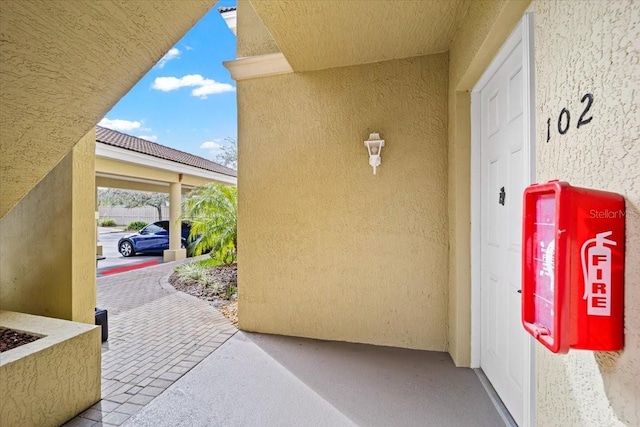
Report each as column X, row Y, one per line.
column 152, row 238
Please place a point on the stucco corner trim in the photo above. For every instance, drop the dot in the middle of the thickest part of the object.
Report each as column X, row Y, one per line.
column 258, row 66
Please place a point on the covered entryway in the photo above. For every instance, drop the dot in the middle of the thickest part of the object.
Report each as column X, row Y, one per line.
column 127, row 162
column 502, row 131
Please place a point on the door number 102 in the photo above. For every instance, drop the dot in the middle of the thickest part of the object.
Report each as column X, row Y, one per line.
column 564, row 119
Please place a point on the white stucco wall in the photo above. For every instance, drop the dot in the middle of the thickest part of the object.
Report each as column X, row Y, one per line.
column 592, row 47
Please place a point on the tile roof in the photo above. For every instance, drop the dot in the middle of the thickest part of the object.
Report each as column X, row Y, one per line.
column 128, row 142
column 226, row 9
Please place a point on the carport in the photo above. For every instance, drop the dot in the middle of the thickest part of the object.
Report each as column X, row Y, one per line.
column 127, row 162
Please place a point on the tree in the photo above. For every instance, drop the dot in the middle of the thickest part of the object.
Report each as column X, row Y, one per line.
column 132, row 199
column 212, row 211
column 229, row 155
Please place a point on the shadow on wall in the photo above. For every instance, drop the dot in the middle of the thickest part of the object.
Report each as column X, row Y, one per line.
column 621, row 370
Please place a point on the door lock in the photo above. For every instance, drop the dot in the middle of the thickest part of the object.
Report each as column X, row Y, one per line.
column 501, row 196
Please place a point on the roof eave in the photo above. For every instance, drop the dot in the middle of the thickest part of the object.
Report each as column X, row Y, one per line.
column 111, row 152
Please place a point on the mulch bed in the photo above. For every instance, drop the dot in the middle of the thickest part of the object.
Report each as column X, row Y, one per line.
column 224, row 277
column 10, row 339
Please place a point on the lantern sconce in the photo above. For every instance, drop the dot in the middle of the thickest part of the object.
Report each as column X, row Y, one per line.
column 374, row 146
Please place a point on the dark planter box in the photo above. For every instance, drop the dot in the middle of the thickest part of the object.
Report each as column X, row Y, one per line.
column 101, row 319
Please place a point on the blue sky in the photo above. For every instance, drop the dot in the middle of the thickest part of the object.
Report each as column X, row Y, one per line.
column 187, row 100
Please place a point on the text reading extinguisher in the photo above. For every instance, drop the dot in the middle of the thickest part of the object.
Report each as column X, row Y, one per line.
column 596, row 269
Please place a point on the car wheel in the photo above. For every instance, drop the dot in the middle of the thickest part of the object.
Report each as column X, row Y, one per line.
column 126, row 249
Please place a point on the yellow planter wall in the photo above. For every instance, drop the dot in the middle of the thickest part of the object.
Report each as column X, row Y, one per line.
column 48, row 381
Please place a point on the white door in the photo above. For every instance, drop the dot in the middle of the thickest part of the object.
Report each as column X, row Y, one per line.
column 504, row 173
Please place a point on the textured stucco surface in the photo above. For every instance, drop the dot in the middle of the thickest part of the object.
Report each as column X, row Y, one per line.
column 315, row 35
column 253, row 38
column 592, row 47
column 484, row 29
column 64, row 65
column 47, row 264
column 47, row 382
column 327, row 249
column 82, row 229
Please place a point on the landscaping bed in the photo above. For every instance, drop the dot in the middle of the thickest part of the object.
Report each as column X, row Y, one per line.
column 11, row 339
column 216, row 285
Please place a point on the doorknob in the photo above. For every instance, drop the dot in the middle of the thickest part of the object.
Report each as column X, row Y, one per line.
column 501, row 196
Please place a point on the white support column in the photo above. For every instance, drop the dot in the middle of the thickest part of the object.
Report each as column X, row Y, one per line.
column 98, row 245
column 175, row 251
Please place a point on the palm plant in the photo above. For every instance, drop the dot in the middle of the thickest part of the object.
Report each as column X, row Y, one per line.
column 212, row 211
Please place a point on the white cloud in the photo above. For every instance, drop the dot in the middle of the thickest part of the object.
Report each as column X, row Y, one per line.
column 188, row 47
column 152, row 138
column 203, row 87
column 118, row 124
column 212, row 88
column 213, row 147
column 172, row 54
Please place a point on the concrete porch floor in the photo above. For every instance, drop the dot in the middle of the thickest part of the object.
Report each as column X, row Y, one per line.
column 174, row 360
column 265, row 380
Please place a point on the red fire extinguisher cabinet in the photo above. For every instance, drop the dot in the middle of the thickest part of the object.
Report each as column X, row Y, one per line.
column 573, row 267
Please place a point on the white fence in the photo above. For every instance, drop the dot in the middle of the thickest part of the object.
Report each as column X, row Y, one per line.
column 124, row 216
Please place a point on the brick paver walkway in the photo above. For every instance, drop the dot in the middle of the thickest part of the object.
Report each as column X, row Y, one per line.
column 156, row 335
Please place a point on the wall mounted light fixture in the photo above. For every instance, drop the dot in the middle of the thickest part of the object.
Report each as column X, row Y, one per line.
column 374, row 146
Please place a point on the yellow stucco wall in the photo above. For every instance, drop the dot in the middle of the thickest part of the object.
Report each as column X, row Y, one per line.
column 47, row 244
column 83, row 226
column 592, row 47
column 253, row 37
column 64, row 65
column 326, row 249
column 485, row 28
column 47, row 382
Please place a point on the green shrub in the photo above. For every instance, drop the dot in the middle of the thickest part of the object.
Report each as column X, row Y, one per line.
column 212, row 211
column 107, row 222
column 230, row 291
column 208, row 262
column 194, row 271
column 135, row 226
